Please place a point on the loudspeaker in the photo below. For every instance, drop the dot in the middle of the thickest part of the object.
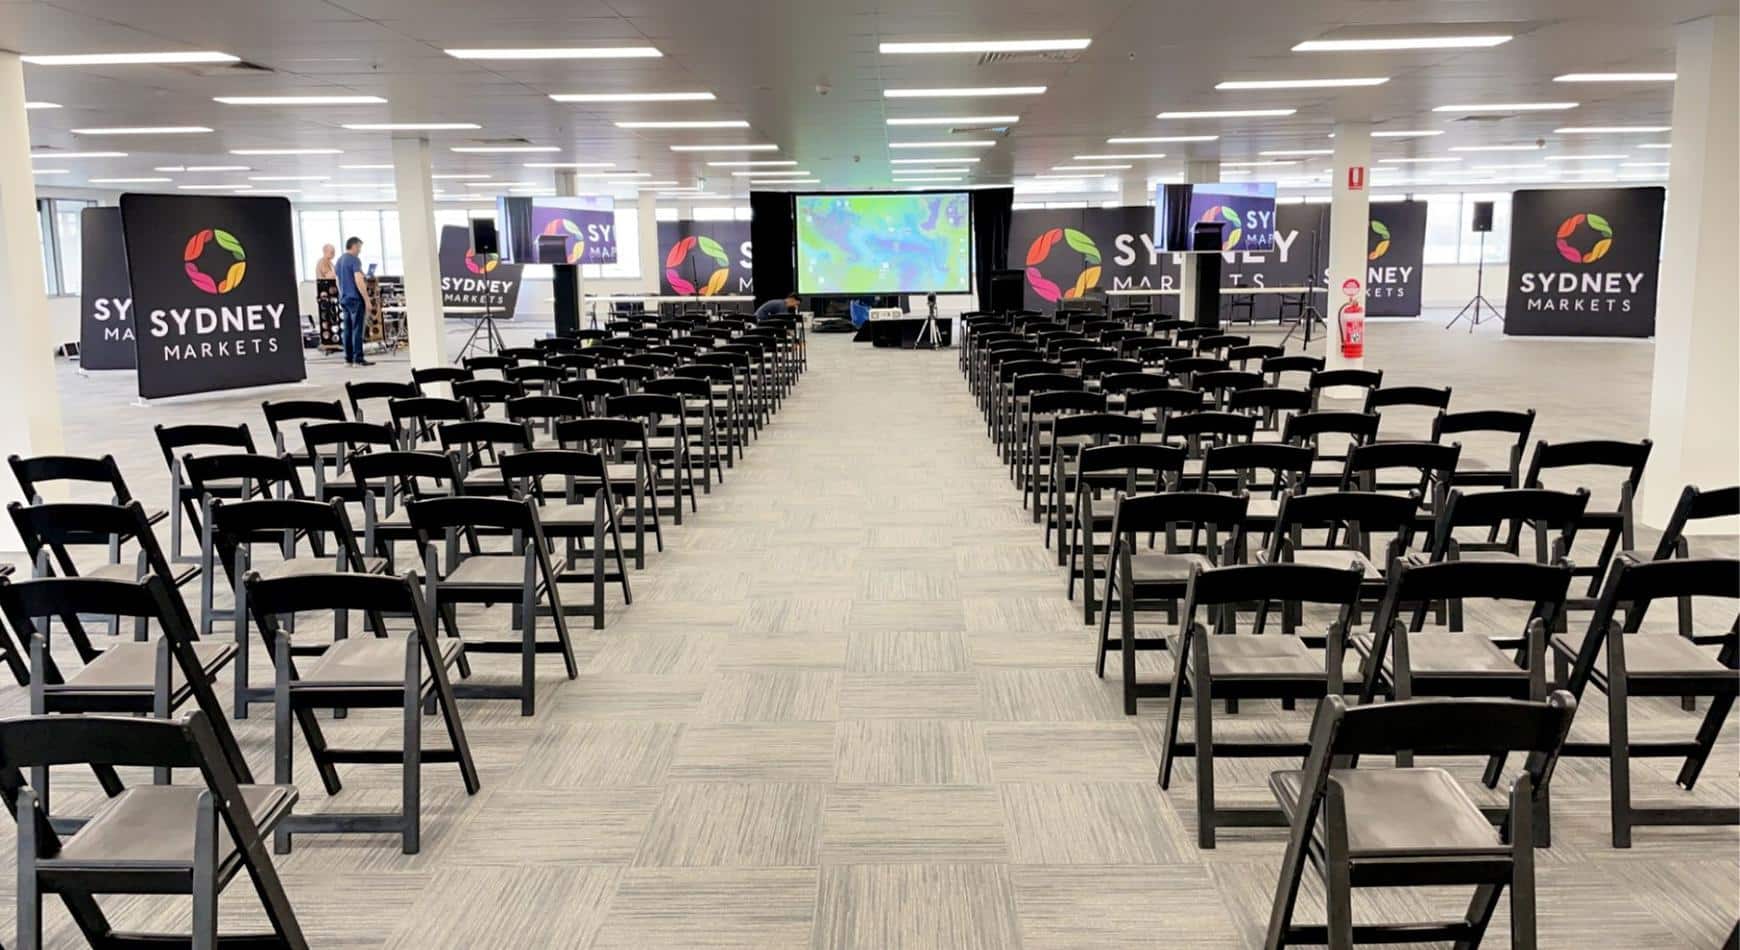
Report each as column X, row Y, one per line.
column 1207, row 268
column 483, row 237
column 1008, row 291
column 1482, row 217
column 565, row 281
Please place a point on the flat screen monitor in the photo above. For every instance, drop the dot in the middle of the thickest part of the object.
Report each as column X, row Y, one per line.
column 894, row 243
column 1244, row 210
column 586, row 226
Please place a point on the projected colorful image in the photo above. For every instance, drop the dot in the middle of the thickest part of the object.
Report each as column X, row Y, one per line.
column 884, row 244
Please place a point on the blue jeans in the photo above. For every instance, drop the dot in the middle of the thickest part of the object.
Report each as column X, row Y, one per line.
column 355, row 316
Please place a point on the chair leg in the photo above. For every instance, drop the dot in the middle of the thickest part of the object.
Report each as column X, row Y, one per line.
column 1203, row 711
column 529, row 644
column 1619, row 759
column 1707, row 734
column 204, row 933
column 29, row 913
column 1338, row 902
column 1174, row 710
column 411, row 788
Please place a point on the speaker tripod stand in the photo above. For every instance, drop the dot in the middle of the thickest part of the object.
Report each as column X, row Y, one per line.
column 1471, row 309
column 1309, row 315
column 484, row 327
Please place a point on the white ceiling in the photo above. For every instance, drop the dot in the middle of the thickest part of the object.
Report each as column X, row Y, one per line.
column 764, row 59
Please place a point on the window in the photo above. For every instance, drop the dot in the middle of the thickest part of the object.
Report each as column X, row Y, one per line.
column 367, row 226
column 317, row 229
column 1497, row 243
column 1443, row 223
column 58, row 229
column 667, row 213
column 715, row 213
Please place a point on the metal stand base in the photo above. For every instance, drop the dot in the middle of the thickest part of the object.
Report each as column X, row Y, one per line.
column 929, row 336
column 1472, row 311
column 491, row 342
column 1308, row 318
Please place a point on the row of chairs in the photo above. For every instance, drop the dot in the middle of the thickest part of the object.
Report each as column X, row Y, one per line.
column 487, row 522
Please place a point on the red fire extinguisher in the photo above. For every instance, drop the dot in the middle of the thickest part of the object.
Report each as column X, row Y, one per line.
column 1351, row 320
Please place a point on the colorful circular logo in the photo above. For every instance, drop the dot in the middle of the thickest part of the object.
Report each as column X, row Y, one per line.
column 1382, row 231
column 573, row 230
column 1231, row 218
column 1568, row 230
column 680, row 253
column 1040, row 249
column 196, row 246
column 488, row 263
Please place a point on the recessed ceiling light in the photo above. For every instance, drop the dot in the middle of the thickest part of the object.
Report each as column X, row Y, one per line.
column 1299, row 152
column 502, row 149
column 1240, row 84
column 367, row 168
column 411, row 126
column 1509, row 107
column 61, row 155
column 771, row 174
column 1586, row 158
column 1656, row 145
column 927, row 178
column 128, row 181
column 146, row 130
column 50, row 171
column 1610, row 129
column 1403, row 134
column 42, row 105
column 615, row 175
column 687, row 124
column 202, row 168
column 1496, row 148
column 1079, row 178
column 357, row 184
column 633, row 97
column 595, row 52
column 206, row 187
column 752, row 163
column 289, row 177
column 957, row 120
column 300, row 100
column 963, row 91
column 1090, row 168
column 934, row 161
column 1644, row 164
column 1525, row 166
column 1125, row 156
column 286, row 151
column 1616, row 77
column 962, row 143
column 570, row 165
column 724, row 148
column 130, row 59
column 957, row 172
column 1160, row 139
column 987, row 46
column 460, row 176
column 1266, row 163
column 1228, row 114
column 1418, row 161
column 1400, row 43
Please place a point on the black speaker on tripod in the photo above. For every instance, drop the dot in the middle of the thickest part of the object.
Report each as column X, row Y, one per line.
column 483, row 237
column 1482, row 225
column 1482, row 217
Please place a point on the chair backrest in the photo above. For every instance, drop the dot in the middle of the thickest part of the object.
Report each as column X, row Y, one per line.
column 375, row 595
column 1696, row 505
column 542, row 407
column 476, row 434
column 1099, row 369
column 687, row 387
column 1285, row 466
column 1132, row 382
column 57, row 528
column 483, row 393
column 280, row 521
column 33, row 473
column 1186, row 365
column 601, row 431
column 1165, row 401
column 1628, row 458
column 487, row 364
column 1199, row 430
column 332, row 439
column 1275, row 367
column 411, row 417
column 1026, row 384
column 1242, row 583
column 1371, row 511
column 527, row 470
column 280, row 412
column 1430, row 397
column 1510, row 510
column 1102, row 426
column 1361, row 378
column 361, row 392
column 522, row 354
column 1226, row 380
column 1162, row 511
column 1412, row 587
column 264, row 475
column 1066, row 401
column 572, row 363
column 394, row 475
column 1244, row 353
column 535, row 374
column 422, row 377
column 1132, row 458
column 432, row 517
column 644, row 406
column 1425, row 460
column 1309, row 428
column 1269, row 399
column 174, row 439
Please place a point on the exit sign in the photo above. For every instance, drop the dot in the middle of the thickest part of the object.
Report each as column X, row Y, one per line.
column 1356, row 178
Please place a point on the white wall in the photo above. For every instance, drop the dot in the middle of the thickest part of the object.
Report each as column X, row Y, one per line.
column 1452, row 285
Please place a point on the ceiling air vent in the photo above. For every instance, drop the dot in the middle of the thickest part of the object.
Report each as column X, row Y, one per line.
column 1488, row 117
column 979, row 130
column 509, row 140
column 231, row 69
column 1064, row 56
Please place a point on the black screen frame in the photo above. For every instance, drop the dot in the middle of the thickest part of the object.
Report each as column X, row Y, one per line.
column 797, row 257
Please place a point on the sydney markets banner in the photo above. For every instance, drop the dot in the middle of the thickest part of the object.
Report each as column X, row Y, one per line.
column 214, row 292
column 1584, row 262
column 1071, row 253
column 705, row 258
column 476, row 280
column 105, row 294
column 588, row 224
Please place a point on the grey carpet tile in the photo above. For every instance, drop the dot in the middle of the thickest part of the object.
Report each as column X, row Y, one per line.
column 889, row 906
column 911, row 752
column 735, row 825
column 711, row 907
column 882, row 824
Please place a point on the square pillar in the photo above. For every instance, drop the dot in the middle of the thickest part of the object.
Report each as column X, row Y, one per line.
column 1349, row 218
column 415, row 188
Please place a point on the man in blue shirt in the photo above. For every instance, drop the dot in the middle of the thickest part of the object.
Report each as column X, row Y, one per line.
column 353, row 300
column 777, row 308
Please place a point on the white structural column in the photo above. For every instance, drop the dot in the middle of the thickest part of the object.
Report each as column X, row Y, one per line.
column 1195, row 172
column 651, row 264
column 1133, row 188
column 31, row 424
column 1694, row 414
column 1349, row 218
column 415, row 189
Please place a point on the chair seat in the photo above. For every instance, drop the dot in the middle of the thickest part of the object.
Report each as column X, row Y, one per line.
column 1258, row 508
column 367, row 662
column 1258, row 657
column 131, row 667
column 564, row 517
column 306, row 566
column 1321, row 557
column 129, row 571
column 1449, row 654
column 1399, row 813
column 1653, row 655
column 1168, row 568
column 153, row 825
column 488, row 570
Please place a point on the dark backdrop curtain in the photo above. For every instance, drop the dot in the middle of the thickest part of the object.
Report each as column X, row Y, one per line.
column 993, row 216
column 773, row 229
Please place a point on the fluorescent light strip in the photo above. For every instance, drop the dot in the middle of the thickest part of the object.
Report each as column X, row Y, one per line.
column 1090, row 168
column 985, row 46
column 963, row 92
column 687, row 124
column 1078, row 178
column 146, row 130
column 51, row 171
column 1266, row 163
column 1400, row 43
column 61, row 155
column 770, row 174
column 128, row 181
column 1509, row 107
column 1644, row 164
column 1496, row 148
column 683, row 195
column 964, row 143
column 1417, row 161
column 633, row 97
column 1661, row 145
column 725, row 148
column 1616, row 77
column 458, row 176
column 411, row 126
column 300, row 100
column 206, row 187
column 593, row 52
column 41, row 105
column 1301, row 152
column 1160, row 139
column 1125, row 156
column 956, row 120
column 934, row 161
column 286, row 151
column 502, row 149
column 1253, row 84
column 569, row 165
column 753, row 163
column 1611, row 129
column 130, row 59
column 202, row 168
column 1587, row 158
column 370, row 168
column 1403, row 134
column 922, row 180
column 615, row 176
column 959, row 172
column 289, row 177
column 1228, row 114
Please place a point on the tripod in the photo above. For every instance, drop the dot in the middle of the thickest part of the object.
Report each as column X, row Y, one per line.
column 1474, row 319
column 491, row 342
column 930, row 335
column 1309, row 315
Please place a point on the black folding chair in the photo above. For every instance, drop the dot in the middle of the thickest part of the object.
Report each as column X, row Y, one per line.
column 1129, row 468
column 670, row 451
column 387, row 481
column 1615, row 526
column 261, row 477
column 52, row 533
column 1512, row 427
column 415, row 419
column 1348, row 521
column 622, row 444
column 363, row 393
column 184, row 500
column 1414, row 827
column 584, row 514
column 153, row 839
column 283, row 416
